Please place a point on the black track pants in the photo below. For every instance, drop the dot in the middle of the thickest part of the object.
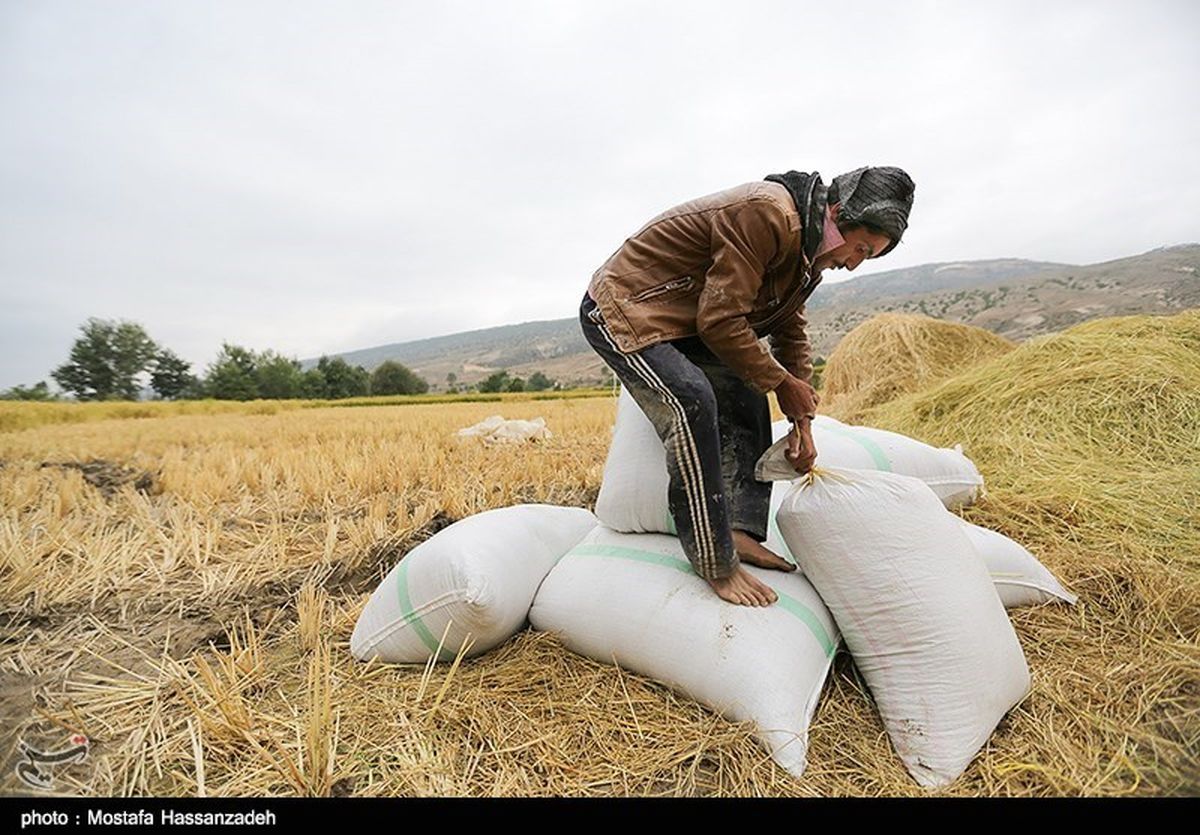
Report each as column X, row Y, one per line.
column 713, row 427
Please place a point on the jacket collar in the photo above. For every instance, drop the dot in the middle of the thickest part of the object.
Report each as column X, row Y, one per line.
column 809, row 195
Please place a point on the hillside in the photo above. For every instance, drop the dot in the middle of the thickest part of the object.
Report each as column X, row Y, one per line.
column 1163, row 280
column 925, row 278
column 1012, row 297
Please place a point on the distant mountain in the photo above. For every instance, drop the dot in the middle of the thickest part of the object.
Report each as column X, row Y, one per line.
column 1012, row 297
column 926, row 278
column 473, row 355
column 1163, row 280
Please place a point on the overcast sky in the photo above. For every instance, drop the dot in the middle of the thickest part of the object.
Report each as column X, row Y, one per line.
column 321, row 177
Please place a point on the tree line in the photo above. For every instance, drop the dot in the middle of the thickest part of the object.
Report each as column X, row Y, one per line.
column 110, row 360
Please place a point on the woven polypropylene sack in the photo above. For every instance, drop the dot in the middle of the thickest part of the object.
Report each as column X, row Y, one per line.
column 475, row 578
column 917, row 609
column 634, row 600
column 948, row 472
column 633, row 490
column 1019, row 578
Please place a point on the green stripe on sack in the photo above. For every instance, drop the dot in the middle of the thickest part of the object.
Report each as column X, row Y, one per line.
column 411, row 617
column 877, row 455
column 786, row 602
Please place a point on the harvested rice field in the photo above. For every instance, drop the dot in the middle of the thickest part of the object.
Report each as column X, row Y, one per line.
column 181, row 589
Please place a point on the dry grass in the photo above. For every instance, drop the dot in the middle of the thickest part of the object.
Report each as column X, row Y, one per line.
column 197, row 628
column 16, row 415
column 896, row 353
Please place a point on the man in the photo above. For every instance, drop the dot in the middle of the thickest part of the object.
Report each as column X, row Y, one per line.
column 678, row 312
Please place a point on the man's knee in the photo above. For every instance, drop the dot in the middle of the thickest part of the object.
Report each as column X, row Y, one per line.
column 698, row 400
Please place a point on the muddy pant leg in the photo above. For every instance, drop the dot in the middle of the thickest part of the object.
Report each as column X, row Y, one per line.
column 679, row 401
column 744, row 422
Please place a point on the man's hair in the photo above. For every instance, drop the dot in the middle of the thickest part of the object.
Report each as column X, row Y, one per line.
column 878, row 198
column 873, row 228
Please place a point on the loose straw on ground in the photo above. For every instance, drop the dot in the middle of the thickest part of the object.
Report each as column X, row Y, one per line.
column 199, row 635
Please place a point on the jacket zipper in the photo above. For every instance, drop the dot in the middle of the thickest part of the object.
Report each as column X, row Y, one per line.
column 662, row 288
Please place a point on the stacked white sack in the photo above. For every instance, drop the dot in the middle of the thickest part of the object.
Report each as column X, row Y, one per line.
column 1019, row 578
column 475, row 578
column 633, row 492
column 634, row 600
column 916, row 608
column 950, row 474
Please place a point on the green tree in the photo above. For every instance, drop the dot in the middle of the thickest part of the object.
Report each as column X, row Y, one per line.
column 232, row 374
column 515, row 384
column 278, row 377
column 496, row 382
column 391, row 377
column 539, row 382
column 312, row 384
column 106, row 360
column 170, row 376
column 342, row 379
column 38, row 391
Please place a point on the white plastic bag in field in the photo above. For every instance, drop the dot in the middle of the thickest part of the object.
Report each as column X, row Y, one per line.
column 476, row 577
column 634, row 600
column 496, row 429
column 952, row 476
column 1020, row 579
column 916, row 607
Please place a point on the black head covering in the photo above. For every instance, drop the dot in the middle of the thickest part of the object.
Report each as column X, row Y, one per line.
column 808, row 193
column 878, row 196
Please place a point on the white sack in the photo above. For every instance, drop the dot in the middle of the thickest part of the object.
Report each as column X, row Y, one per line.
column 633, row 492
column 478, row 576
column 496, row 429
column 952, row 475
column 917, row 609
column 1020, row 579
column 634, row 600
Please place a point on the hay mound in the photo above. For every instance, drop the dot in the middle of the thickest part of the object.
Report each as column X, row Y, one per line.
column 897, row 353
column 1103, row 418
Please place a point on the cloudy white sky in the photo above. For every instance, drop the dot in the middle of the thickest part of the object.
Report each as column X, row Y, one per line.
column 320, row 177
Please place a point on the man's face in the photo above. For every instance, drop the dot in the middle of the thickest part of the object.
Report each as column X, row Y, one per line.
column 860, row 245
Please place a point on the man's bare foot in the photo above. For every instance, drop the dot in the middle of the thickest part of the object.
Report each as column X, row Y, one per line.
column 744, row 588
column 752, row 551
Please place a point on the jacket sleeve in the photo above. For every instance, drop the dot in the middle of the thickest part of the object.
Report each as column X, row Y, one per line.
column 746, row 237
column 790, row 345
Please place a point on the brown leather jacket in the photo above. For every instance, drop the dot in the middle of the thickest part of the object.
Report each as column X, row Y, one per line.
column 727, row 266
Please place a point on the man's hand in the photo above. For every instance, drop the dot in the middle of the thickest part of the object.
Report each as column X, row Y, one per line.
column 797, row 399
column 801, row 452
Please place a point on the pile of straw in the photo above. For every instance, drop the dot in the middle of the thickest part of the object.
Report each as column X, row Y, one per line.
column 1093, row 433
column 896, row 353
